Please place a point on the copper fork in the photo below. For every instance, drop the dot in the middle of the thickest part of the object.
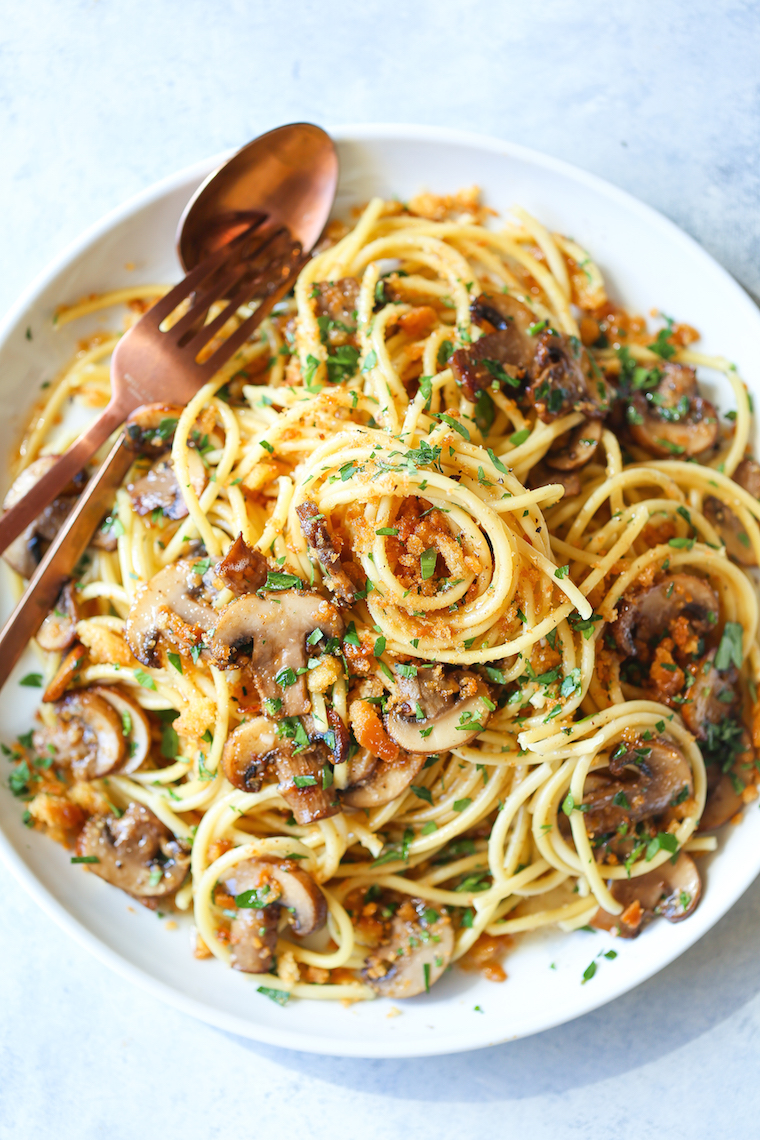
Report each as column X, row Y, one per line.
column 152, row 363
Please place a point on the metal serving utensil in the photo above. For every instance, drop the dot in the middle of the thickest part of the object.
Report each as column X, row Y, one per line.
column 238, row 236
column 261, row 261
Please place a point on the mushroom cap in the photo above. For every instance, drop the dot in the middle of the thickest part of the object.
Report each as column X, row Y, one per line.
column 579, row 449
column 132, row 850
column 650, row 777
column 280, row 883
column 159, row 489
column 672, row 890
column 89, row 735
column 301, row 783
column 384, row 781
column 455, row 709
column 59, row 629
column 247, row 752
column 25, row 552
column 713, row 697
column 420, row 936
column 150, row 428
column 722, row 803
column 645, row 614
column 674, row 417
column 271, row 632
column 168, row 596
column 730, row 530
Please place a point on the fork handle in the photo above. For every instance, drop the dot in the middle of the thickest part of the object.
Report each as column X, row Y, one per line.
column 62, row 556
column 18, row 517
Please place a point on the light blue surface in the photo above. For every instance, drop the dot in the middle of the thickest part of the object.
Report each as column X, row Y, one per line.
column 100, row 98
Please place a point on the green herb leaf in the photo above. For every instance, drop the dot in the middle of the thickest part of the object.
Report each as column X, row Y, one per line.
column 144, row 679
column 32, row 681
column 175, row 660
column 428, row 560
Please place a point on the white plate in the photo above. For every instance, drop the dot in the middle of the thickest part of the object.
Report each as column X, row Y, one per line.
column 648, row 263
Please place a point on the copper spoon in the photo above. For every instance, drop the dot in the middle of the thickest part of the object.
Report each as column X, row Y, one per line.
column 287, row 177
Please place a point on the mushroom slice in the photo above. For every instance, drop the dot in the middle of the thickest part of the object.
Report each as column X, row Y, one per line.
column 159, row 490
column 672, row 890
column 68, row 674
column 581, row 447
column 713, row 697
column 640, row 782
column 385, row 780
column 242, row 570
column 150, row 428
column 747, row 475
column 248, row 752
column 269, row 634
column 59, row 629
column 647, row 613
column 319, row 539
column 673, row 418
column 417, row 954
column 135, row 726
column 562, row 380
column 301, row 783
column 438, row 712
column 261, row 888
column 723, row 801
column 88, row 736
column 542, row 476
column 135, row 852
column 167, row 605
column 25, row 552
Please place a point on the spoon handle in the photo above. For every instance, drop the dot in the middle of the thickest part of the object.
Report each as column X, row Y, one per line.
column 62, row 556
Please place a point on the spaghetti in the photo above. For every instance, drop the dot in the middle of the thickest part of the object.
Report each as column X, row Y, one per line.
column 430, row 617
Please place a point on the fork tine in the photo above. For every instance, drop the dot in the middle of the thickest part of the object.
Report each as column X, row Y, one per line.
column 233, row 342
column 196, row 278
column 200, row 306
column 246, row 288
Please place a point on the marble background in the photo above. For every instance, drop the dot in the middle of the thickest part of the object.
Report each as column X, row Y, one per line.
column 98, row 98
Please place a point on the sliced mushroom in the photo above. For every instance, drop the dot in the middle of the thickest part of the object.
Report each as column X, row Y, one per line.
column 59, row 629
column 159, row 490
column 135, row 726
column 25, row 552
column 580, row 448
column 723, row 801
column 564, row 380
column 747, row 475
column 242, row 570
column 68, row 674
column 360, row 767
column 135, row 852
column 266, row 887
column 713, row 697
column 87, row 737
column 639, row 782
column 269, row 634
column 672, row 890
column 647, row 613
column 319, row 539
column 505, row 356
column 542, row 476
column 436, row 712
column 150, row 429
column 248, row 752
column 673, row 418
column 384, row 781
column 167, row 606
column 417, row 954
column 303, row 784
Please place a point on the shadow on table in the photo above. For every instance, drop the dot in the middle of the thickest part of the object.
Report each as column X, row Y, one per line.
column 706, row 985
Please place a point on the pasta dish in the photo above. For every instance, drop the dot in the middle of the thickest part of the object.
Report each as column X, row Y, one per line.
column 428, row 622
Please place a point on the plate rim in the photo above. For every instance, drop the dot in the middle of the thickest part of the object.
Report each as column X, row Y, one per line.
column 12, row 858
